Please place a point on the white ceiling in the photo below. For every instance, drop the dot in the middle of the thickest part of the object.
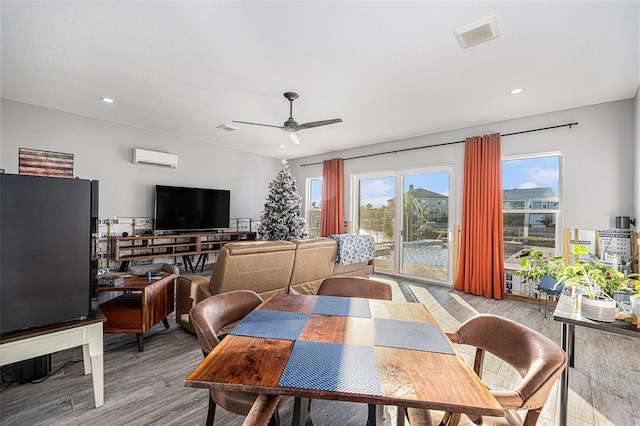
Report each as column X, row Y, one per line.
column 389, row 69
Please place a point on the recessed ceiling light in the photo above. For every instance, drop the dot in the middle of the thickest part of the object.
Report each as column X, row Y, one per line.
column 108, row 100
column 516, row 91
column 282, row 146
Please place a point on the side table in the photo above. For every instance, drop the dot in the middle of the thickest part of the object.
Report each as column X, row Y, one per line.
column 143, row 305
column 39, row 341
column 567, row 314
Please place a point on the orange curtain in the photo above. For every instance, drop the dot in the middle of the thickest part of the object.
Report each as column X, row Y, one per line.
column 332, row 213
column 481, row 264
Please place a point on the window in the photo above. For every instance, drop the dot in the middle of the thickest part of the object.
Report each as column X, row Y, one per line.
column 314, row 206
column 531, row 194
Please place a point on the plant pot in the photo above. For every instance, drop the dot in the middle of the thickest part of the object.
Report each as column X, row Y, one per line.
column 597, row 309
column 621, row 296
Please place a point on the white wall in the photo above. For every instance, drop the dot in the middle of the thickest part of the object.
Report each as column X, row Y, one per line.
column 102, row 151
column 598, row 159
column 636, row 160
column 601, row 165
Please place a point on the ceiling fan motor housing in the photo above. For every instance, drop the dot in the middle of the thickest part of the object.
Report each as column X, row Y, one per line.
column 290, row 123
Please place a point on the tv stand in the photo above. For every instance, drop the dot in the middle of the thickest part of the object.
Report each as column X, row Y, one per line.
column 127, row 249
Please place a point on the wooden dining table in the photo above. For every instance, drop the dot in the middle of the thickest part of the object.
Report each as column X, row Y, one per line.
column 349, row 349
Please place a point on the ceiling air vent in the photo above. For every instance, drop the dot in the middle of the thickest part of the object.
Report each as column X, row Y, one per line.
column 480, row 31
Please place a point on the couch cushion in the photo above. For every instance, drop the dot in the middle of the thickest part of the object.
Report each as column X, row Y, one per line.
column 352, row 270
column 250, row 247
column 262, row 266
column 314, row 261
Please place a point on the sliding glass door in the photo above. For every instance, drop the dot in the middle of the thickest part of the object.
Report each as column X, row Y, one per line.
column 407, row 212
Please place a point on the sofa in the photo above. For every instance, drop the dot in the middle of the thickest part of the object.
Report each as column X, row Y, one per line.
column 271, row 267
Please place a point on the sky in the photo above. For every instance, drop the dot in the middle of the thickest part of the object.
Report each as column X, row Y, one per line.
column 541, row 172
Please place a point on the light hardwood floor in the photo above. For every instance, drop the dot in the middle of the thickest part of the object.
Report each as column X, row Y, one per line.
column 146, row 388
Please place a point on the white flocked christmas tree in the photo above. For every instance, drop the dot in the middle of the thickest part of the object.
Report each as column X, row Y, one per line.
column 282, row 216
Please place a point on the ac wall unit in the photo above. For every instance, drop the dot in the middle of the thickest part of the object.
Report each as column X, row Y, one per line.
column 143, row 156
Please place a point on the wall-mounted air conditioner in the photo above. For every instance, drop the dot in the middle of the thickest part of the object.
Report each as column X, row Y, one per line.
column 164, row 159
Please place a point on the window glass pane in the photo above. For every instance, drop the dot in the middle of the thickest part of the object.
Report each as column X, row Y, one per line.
column 314, row 223
column 425, row 224
column 533, row 178
column 316, row 194
column 530, row 185
column 315, row 206
column 377, row 217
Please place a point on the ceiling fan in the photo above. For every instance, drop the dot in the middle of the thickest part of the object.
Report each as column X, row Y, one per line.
column 291, row 126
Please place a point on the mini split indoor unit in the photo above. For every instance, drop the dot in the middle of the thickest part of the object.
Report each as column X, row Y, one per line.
column 143, row 156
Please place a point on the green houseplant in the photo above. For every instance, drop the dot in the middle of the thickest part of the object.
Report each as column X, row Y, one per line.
column 534, row 265
column 594, row 285
column 595, row 279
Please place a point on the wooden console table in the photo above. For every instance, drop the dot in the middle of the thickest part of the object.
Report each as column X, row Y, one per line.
column 143, row 305
column 126, row 249
column 35, row 342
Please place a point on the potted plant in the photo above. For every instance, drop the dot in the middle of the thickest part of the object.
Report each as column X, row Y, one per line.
column 538, row 269
column 597, row 283
column 635, row 299
column 534, row 265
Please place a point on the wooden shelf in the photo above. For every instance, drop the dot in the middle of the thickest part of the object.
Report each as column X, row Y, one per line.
column 155, row 246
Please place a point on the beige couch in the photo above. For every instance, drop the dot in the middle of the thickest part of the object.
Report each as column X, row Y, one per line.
column 266, row 267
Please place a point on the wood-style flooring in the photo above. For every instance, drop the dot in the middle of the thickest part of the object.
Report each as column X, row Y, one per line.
column 146, row 388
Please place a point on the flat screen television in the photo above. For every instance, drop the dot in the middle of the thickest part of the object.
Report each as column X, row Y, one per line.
column 191, row 209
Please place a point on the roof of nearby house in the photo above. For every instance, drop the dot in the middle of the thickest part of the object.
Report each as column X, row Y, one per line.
column 426, row 194
column 528, row 194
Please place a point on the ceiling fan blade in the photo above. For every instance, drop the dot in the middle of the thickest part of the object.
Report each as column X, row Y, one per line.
column 318, row 123
column 257, row 124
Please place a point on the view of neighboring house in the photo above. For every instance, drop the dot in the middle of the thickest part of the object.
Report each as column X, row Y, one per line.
column 436, row 204
column 533, row 221
column 529, row 198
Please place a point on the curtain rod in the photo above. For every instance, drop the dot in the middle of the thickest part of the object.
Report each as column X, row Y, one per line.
column 569, row 125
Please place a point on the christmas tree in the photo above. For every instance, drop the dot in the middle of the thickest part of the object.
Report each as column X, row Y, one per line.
column 282, row 217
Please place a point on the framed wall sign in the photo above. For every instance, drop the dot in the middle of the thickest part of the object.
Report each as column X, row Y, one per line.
column 45, row 163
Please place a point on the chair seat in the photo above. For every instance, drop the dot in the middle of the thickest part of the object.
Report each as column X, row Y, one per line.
column 548, row 285
column 235, row 402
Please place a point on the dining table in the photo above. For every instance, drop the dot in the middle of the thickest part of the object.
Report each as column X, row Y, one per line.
column 376, row 352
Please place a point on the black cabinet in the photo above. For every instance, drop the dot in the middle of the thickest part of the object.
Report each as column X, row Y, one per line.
column 48, row 264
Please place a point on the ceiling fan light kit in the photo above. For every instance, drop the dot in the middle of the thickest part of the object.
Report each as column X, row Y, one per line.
column 291, row 126
column 295, row 138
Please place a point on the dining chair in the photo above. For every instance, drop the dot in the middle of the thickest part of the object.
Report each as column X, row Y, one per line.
column 536, row 358
column 368, row 288
column 211, row 315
